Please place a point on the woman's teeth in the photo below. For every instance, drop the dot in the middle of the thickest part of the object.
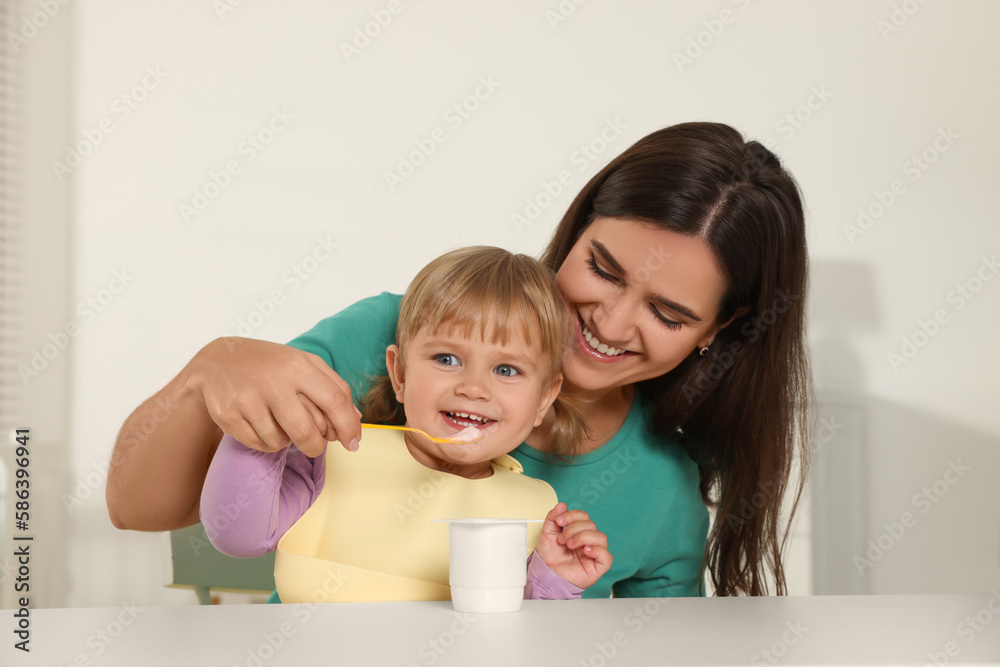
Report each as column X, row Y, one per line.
column 603, row 348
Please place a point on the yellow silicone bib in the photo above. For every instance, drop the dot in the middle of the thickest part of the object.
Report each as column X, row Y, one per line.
column 370, row 537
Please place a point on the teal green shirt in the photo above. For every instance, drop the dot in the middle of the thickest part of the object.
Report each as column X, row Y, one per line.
column 641, row 491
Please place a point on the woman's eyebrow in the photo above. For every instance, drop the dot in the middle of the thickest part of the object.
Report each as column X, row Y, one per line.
column 683, row 310
column 599, row 248
column 606, row 255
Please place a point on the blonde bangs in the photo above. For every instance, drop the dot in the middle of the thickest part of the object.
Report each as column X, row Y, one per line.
column 502, row 297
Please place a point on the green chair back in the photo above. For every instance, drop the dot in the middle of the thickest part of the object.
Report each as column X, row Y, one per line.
column 192, row 562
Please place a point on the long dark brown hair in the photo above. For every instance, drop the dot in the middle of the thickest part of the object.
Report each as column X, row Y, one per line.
column 742, row 410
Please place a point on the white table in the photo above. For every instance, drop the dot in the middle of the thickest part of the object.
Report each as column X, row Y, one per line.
column 845, row 630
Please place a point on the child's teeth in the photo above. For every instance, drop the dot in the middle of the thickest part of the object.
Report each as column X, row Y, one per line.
column 466, row 415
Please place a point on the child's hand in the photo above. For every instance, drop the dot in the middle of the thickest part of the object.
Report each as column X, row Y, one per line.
column 572, row 547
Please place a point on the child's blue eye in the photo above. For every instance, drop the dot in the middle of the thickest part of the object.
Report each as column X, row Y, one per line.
column 447, row 359
column 507, row 371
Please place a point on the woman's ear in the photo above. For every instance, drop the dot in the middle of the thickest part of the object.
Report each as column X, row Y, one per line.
column 548, row 396
column 394, row 364
column 740, row 312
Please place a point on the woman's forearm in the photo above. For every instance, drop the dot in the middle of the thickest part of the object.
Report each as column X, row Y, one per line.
column 161, row 457
column 266, row 395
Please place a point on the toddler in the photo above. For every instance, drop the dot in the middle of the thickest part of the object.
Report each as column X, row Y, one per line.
column 480, row 339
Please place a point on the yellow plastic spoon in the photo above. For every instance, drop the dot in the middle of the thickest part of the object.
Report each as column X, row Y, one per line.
column 467, row 435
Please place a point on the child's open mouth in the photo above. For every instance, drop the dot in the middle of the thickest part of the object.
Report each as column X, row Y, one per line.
column 465, row 419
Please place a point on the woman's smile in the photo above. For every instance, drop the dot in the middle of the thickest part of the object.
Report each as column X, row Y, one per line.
column 592, row 345
column 637, row 318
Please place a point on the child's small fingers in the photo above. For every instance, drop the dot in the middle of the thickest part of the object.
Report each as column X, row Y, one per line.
column 551, row 524
column 599, row 555
column 559, row 509
column 584, row 538
column 578, row 527
column 569, row 516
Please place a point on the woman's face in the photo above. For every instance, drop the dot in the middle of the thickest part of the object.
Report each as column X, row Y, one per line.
column 643, row 298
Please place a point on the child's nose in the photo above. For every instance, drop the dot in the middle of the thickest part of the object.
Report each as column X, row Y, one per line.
column 472, row 386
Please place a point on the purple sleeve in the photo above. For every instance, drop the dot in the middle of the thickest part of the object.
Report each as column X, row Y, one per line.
column 544, row 584
column 251, row 498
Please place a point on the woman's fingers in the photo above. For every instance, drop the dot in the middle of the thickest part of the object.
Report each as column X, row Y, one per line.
column 277, row 420
column 311, row 438
column 246, row 433
column 317, row 416
column 269, row 395
column 332, row 395
column 301, row 421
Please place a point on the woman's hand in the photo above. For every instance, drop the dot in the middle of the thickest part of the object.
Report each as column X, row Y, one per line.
column 264, row 394
column 268, row 395
column 573, row 548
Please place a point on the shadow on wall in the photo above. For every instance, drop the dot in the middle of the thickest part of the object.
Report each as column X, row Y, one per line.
column 902, row 501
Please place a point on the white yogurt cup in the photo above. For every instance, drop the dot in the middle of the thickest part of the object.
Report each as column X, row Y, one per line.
column 487, row 564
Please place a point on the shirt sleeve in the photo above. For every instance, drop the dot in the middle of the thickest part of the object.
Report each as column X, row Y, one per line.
column 544, row 584
column 353, row 341
column 673, row 567
column 251, row 498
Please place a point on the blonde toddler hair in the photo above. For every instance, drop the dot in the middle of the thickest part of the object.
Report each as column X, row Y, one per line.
column 470, row 290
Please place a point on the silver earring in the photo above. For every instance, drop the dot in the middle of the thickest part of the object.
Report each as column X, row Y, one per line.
column 704, row 351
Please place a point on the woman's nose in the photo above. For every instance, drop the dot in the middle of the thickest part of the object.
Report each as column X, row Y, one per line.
column 615, row 321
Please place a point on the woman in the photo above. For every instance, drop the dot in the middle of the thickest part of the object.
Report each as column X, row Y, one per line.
column 684, row 262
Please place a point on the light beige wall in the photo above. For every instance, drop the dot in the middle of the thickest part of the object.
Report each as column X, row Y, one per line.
column 42, row 61
column 845, row 92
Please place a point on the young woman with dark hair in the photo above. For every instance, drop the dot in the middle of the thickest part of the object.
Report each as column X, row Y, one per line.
column 740, row 405
column 684, row 263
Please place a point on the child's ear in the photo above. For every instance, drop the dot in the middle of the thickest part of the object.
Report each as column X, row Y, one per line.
column 394, row 363
column 548, row 397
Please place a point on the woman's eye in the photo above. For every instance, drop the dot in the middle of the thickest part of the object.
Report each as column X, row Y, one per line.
column 673, row 325
column 601, row 273
column 507, row 371
column 447, row 359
